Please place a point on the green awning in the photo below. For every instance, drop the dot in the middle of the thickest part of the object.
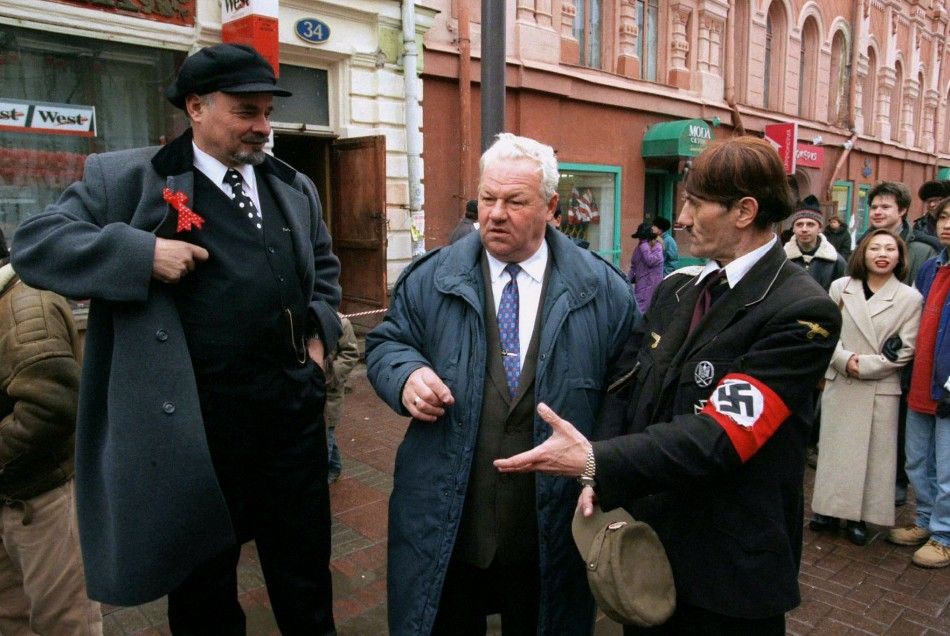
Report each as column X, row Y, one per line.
column 683, row 138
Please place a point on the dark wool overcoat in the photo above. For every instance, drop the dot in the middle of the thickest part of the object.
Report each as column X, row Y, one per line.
column 150, row 507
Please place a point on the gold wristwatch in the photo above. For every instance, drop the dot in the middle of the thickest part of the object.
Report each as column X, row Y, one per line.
column 590, row 470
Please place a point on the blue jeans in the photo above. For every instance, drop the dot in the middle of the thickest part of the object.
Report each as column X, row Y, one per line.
column 928, row 467
column 333, row 452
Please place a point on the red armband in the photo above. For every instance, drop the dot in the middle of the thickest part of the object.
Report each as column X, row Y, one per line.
column 748, row 410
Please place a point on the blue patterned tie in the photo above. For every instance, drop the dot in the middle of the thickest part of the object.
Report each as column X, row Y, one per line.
column 508, row 329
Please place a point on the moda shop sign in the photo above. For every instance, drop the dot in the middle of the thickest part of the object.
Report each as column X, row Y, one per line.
column 45, row 118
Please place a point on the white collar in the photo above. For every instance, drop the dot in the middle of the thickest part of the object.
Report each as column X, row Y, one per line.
column 739, row 267
column 215, row 170
column 533, row 266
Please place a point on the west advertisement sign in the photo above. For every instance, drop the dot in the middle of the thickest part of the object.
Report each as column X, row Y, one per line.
column 47, row 119
column 252, row 22
column 784, row 138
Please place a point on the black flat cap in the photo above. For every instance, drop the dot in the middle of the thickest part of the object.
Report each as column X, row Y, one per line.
column 229, row 68
column 933, row 189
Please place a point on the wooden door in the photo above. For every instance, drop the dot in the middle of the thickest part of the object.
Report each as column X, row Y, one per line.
column 358, row 219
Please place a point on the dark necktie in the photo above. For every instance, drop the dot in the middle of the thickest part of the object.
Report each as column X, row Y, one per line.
column 508, row 329
column 713, row 287
column 233, row 178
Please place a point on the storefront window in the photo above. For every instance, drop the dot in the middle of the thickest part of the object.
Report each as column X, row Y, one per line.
column 50, row 78
column 590, row 207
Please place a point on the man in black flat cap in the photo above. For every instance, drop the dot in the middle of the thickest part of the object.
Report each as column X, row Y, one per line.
column 213, row 293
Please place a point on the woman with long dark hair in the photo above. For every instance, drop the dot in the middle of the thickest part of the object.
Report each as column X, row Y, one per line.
column 858, row 443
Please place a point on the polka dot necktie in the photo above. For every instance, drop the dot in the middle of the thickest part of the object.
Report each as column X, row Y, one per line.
column 233, row 178
column 508, row 329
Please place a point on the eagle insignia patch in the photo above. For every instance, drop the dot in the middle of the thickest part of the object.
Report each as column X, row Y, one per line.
column 814, row 329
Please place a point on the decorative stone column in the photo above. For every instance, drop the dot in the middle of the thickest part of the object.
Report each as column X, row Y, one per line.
column 927, row 133
column 628, row 62
column 886, row 79
column 679, row 74
column 570, row 48
column 707, row 80
column 907, row 134
column 535, row 35
column 860, row 68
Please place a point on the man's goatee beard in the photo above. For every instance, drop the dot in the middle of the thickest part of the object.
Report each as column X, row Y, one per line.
column 254, row 158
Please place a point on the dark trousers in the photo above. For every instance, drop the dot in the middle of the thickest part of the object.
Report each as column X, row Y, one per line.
column 272, row 468
column 470, row 594
column 690, row 620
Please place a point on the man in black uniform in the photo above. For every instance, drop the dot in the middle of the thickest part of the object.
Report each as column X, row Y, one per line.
column 710, row 419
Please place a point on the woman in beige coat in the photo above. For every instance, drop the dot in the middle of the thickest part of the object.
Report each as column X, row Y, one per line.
column 880, row 315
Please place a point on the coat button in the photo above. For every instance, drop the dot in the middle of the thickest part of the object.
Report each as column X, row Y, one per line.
column 161, row 335
column 168, row 407
column 271, row 250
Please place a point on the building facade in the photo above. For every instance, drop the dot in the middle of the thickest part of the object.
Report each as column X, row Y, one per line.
column 628, row 90
column 84, row 76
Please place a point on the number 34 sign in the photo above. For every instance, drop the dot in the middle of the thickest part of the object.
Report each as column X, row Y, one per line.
column 312, row 30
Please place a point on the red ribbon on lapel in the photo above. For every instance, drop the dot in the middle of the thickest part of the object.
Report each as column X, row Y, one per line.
column 187, row 218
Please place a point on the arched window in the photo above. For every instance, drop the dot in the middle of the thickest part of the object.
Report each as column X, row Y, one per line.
column 776, row 33
column 838, row 84
column 648, row 37
column 588, row 29
column 869, row 95
column 897, row 96
column 808, row 69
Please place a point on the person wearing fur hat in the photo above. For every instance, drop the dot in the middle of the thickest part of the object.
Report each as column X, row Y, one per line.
column 838, row 235
column 931, row 193
column 809, row 248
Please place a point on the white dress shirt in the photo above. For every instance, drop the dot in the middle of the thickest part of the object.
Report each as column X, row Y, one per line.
column 215, row 170
column 530, row 281
column 738, row 268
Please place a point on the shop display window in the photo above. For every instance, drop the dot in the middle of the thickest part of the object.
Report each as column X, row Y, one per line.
column 589, row 199
column 53, row 75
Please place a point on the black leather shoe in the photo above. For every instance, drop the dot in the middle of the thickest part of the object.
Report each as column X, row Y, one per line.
column 821, row 523
column 857, row 532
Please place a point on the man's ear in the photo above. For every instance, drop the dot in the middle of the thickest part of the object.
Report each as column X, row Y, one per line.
column 748, row 210
column 193, row 106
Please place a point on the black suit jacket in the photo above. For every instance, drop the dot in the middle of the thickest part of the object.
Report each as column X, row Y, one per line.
column 713, row 427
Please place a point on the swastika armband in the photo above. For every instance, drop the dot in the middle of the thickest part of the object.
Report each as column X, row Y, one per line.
column 748, row 411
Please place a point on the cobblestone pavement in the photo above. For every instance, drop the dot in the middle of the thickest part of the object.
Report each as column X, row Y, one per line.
column 846, row 589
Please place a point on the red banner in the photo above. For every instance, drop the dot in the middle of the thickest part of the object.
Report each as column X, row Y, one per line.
column 252, row 22
column 810, row 156
column 784, row 138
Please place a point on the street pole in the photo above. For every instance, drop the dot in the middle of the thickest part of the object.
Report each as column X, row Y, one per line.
column 493, row 70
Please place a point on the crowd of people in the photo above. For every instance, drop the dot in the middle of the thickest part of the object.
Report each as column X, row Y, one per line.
column 543, row 389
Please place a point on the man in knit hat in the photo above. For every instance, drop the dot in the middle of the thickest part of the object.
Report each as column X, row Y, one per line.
column 931, row 193
column 809, row 248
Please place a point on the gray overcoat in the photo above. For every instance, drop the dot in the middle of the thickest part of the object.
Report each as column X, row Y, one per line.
column 150, row 507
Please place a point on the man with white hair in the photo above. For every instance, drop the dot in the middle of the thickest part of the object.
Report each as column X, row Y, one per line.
column 477, row 334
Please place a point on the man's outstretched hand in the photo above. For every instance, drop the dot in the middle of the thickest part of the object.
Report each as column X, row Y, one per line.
column 564, row 453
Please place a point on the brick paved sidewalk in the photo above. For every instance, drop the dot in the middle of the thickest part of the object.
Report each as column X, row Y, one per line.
column 845, row 589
